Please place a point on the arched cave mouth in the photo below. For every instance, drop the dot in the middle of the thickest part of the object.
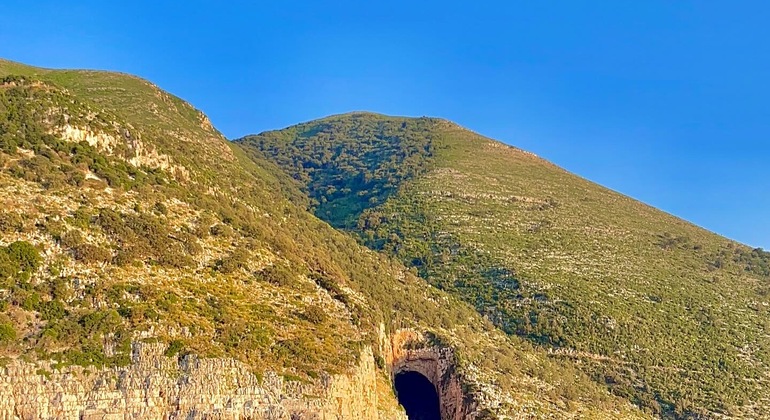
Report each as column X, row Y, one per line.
column 418, row 396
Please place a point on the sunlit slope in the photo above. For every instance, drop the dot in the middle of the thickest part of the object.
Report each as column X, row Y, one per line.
column 134, row 219
column 667, row 314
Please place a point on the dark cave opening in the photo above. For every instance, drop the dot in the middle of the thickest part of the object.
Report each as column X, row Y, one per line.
column 418, row 396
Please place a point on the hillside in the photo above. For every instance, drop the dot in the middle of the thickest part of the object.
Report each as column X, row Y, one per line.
column 665, row 314
column 129, row 222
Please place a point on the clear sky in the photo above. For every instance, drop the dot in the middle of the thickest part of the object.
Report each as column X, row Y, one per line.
column 665, row 101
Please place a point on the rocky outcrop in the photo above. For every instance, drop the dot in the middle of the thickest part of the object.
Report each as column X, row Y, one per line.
column 154, row 386
column 409, row 351
column 139, row 153
column 96, row 139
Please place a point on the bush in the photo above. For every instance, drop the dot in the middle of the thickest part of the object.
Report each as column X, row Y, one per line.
column 82, row 217
column 127, row 256
column 18, row 258
column 58, row 288
column 27, row 300
column 174, row 257
column 7, row 332
column 11, row 222
column 191, row 245
column 315, row 314
column 53, row 227
column 203, row 226
column 72, row 239
column 8, row 268
column 332, row 286
column 174, row 347
column 146, row 236
column 235, row 261
column 90, row 356
column 222, row 230
column 297, row 350
column 25, row 254
column 277, row 275
column 327, row 283
column 52, row 310
column 91, row 254
column 160, row 208
column 100, row 322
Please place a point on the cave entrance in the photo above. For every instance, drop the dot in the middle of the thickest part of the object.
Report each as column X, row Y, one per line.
column 418, row 396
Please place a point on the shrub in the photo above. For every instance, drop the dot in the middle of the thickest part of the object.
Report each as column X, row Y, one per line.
column 58, row 288
column 72, row 239
column 296, row 349
column 315, row 314
column 82, row 217
column 91, row 254
column 11, row 222
column 278, row 275
column 203, row 226
column 167, row 301
column 174, row 257
column 222, row 230
column 53, row 227
column 191, row 245
column 7, row 332
column 112, row 223
column 146, row 236
column 20, row 256
column 91, row 355
column 332, row 286
column 51, row 310
column 100, row 322
column 235, row 261
column 327, row 283
column 160, row 208
column 25, row 254
column 8, row 267
column 174, row 347
column 27, row 300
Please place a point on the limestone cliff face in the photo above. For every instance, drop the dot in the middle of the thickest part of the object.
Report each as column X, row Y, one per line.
column 157, row 387
column 154, row 386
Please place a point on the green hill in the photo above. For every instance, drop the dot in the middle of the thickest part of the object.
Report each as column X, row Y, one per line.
column 666, row 314
column 125, row 216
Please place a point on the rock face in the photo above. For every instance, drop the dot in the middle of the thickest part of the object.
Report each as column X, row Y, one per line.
column 159, row 387
column 154, row 386
column 408, row 351
column 94, row 138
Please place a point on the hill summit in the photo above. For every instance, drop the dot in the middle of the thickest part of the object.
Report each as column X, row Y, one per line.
column 663, row 313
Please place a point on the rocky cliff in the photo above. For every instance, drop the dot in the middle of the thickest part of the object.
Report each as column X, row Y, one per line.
column 156, row 386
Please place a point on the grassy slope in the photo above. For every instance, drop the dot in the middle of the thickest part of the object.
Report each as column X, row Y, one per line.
column 671, row 316
column 253, row 271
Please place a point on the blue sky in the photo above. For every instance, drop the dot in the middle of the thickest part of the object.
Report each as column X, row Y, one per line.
column 665, row 101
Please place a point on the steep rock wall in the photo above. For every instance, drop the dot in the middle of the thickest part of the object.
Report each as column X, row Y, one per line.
column 159, row 387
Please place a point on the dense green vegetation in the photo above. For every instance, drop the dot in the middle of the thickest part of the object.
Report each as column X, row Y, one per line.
column 671, row 317
column 349, row 164
column 17, row 262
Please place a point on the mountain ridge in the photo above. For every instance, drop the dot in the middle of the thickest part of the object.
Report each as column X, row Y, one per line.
column 133, row 232
column 547, row 255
